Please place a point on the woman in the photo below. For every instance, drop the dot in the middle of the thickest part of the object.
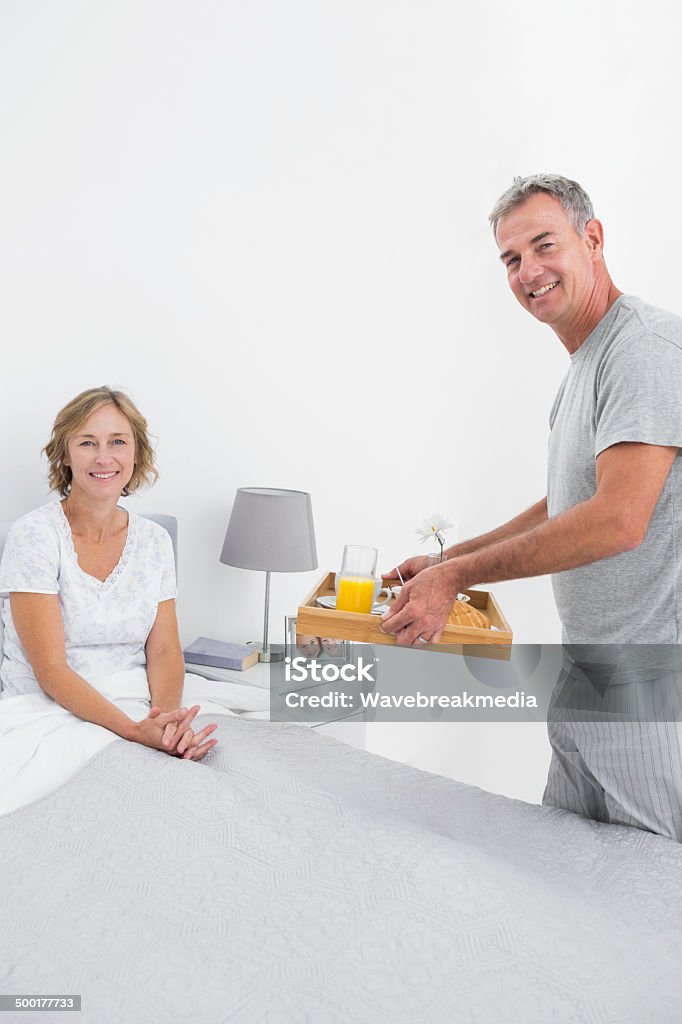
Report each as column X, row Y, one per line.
column 91, row 591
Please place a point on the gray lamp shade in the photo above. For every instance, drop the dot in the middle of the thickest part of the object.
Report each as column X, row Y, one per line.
column 272, row 530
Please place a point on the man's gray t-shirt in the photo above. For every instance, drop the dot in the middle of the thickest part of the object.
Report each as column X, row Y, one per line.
column 624, row 384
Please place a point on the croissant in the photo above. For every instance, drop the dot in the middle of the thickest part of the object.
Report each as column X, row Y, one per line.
column 463, row 614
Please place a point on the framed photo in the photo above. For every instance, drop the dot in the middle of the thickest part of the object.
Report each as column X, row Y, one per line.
column 320, row 648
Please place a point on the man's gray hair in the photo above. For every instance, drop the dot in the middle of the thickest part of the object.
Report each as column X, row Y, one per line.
column 574, row 199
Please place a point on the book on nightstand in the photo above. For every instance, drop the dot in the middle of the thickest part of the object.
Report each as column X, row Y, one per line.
column 220, row 654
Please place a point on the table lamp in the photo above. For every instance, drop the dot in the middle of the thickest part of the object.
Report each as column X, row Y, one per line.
column 271, row 530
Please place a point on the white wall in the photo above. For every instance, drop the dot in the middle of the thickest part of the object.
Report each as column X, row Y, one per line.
column 267, row 222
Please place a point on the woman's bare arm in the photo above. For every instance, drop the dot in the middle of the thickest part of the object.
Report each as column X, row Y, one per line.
column 166, row 676
column 165, row 662
column 38, row 622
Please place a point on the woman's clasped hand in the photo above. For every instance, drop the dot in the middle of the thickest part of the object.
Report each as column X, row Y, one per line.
column 170, row 731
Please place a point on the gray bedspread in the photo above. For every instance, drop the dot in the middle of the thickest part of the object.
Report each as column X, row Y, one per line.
column 292, row 878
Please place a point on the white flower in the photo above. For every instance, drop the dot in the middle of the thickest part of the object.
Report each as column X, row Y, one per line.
column 434, row 527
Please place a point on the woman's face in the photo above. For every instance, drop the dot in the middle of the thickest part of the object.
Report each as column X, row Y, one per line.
column 309, row 645
column 101, row 454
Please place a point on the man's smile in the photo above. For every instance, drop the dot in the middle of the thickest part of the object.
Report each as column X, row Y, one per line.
column 543, row 291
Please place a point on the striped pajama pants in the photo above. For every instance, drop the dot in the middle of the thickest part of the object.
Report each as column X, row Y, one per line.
column 617, row 751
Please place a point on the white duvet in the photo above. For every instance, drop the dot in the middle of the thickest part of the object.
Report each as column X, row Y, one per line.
column 42, row 744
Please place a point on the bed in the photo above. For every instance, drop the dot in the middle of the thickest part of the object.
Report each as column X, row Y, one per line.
column 289, row 877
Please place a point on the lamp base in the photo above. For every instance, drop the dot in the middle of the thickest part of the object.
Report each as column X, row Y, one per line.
column 272, row 654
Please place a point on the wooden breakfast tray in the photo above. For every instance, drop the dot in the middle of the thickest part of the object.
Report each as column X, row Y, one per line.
column 316, row 621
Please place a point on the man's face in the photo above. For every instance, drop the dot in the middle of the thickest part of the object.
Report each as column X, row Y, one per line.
column 550, row 269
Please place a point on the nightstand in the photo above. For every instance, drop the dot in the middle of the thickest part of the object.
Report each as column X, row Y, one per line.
column 349, row 728
column 257, row 675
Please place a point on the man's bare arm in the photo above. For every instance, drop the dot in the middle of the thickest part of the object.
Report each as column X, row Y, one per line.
column 528, row 520
column 630, row 478
column 588, row 532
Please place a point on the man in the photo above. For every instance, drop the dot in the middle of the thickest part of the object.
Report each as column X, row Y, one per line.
column 610, row 528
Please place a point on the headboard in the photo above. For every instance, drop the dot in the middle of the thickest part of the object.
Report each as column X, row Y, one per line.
column 169, row 523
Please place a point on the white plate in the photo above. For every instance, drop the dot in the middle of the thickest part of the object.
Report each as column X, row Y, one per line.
column 329, row 601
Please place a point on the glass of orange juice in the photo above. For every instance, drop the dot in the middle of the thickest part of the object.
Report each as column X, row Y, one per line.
column 355, row 590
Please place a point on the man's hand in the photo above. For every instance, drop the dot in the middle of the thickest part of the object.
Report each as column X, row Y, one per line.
column 421, row 611
column 411, row 567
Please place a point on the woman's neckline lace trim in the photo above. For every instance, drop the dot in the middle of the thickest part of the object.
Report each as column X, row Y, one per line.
column 120, row 566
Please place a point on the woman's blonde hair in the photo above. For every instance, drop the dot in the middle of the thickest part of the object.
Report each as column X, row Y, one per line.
column 74, row 415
